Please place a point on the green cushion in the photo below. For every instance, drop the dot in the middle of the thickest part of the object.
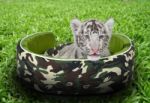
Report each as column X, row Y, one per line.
column 40, row 42
column 118, row 44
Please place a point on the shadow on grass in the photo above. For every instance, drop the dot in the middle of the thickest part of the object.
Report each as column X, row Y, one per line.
column 30, row 95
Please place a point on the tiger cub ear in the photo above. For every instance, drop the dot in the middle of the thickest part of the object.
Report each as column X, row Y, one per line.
column 75, row 25
column 109, row 23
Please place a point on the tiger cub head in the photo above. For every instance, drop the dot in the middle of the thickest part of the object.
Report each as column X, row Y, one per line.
column 92, row 36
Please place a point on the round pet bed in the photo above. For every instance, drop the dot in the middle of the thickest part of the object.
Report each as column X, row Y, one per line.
column 74, row 76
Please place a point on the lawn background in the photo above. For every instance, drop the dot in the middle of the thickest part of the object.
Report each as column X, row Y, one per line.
column 21, row 17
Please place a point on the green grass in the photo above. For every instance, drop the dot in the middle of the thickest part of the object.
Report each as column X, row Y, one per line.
column 21, row 17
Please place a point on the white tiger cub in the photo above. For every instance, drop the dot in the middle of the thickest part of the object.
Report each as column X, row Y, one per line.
column 91, row 40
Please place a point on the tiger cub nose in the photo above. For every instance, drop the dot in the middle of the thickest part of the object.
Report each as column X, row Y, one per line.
column 94, row 50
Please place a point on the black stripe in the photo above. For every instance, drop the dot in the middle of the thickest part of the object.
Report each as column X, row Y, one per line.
column 76, row 55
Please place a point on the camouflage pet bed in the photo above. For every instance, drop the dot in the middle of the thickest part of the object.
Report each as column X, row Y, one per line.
column 74, row 76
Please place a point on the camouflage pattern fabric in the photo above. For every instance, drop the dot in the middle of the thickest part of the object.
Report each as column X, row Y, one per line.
column 75, row 77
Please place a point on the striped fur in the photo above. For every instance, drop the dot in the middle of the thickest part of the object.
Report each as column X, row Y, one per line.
column 91, row 40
